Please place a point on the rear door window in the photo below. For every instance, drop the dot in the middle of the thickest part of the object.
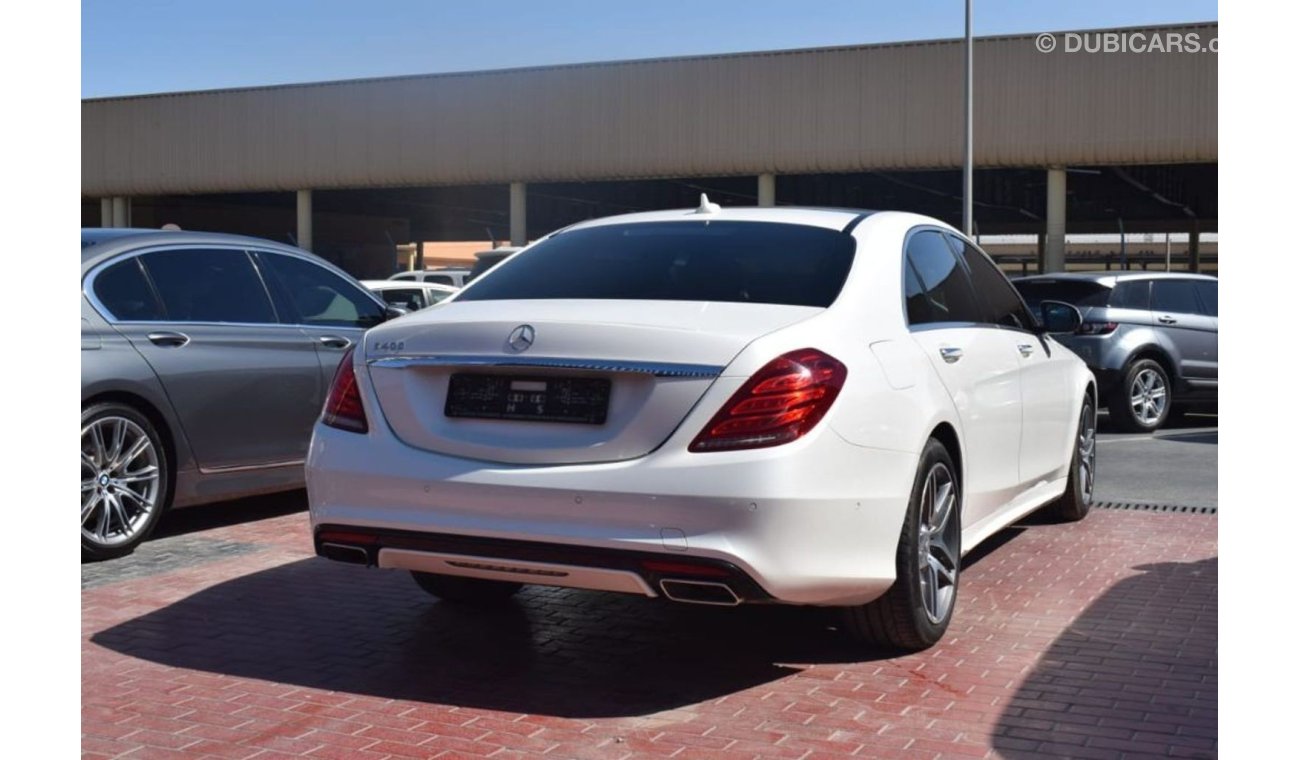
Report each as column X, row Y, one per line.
column 1131, row 294
column 313, row 295
column 1002, row 304
column 209, row 285
column 742, row 262
column 946, row 292
column 1176, row 296
column 123, row 290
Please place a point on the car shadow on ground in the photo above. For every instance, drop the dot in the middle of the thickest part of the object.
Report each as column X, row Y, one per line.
column 321, row 624
column 233, row 512
column 1136, row 672
column 1191, row 420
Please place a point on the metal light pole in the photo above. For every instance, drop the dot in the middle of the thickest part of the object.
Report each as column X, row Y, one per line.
column 968, row 161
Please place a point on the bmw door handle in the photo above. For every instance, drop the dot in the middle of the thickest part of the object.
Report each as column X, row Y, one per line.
column 1026, row 349
column 950, row 354
column 334, row 341
column 168, row 339
column 1165, row 319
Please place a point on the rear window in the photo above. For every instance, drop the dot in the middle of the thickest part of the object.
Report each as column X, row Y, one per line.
column 1080, row 293
column 738, row 262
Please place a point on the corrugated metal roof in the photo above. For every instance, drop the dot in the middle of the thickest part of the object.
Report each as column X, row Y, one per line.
column 876, row 107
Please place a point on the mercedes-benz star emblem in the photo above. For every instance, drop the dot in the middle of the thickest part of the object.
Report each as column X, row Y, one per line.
column 521, row 338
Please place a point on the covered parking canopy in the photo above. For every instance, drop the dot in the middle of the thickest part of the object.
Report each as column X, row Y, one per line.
column 1121, row 137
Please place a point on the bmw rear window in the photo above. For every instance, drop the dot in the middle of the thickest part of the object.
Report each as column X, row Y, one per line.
column 738, row 262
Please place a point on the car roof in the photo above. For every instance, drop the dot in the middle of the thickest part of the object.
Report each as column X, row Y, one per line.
column 1110, row 278
column 98, row 244
column 828, row 218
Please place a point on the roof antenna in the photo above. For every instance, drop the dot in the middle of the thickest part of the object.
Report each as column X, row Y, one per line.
column 706, row 207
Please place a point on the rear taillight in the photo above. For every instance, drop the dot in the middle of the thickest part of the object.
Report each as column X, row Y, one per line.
column 343, row 408
column 1097, row 328
column 781, row 402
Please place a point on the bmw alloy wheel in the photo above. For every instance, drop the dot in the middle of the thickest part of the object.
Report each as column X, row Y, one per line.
column 120, row 481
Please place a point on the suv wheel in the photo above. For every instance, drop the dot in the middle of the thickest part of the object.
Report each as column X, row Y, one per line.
column 1142, row 400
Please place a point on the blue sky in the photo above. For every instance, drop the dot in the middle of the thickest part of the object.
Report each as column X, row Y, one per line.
column 141, row 46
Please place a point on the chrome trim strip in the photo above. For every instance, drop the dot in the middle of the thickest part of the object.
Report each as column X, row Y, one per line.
column 658, row 369
column 250, row 467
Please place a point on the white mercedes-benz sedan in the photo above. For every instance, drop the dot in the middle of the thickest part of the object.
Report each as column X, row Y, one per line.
column 717, row 406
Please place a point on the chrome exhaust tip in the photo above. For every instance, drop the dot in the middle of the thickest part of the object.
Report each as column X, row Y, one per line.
column 699, row 592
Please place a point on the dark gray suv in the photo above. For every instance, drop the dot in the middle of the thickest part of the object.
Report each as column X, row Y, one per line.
column 1151, row 339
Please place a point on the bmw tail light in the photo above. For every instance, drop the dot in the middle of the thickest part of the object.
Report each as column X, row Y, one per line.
column 343, row 409
column 1097, row 328
column 780, row 403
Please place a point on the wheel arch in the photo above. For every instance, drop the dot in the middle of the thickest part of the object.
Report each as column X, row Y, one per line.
column 946, row 434
column 1155, row 353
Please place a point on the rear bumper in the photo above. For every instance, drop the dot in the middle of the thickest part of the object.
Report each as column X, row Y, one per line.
column 814, row 522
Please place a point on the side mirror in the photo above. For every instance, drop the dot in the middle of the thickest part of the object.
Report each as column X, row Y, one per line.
column 1058, row 317
column 393, row 312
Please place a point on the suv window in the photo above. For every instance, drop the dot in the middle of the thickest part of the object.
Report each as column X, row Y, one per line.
column 1208, row 290
column 124, row 291
column 209, row 285
column 441, row 279
column 313, row 295
column 1080, row 293
column 1178, row 296
column 727, row 261
column 946, row 290
column 1002, row 304
column 1131, row 294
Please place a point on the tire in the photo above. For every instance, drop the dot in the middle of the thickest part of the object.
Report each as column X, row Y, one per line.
column 1145, row 379
column 1077, row 499
column 909, row 616
column 453, row 588
column 125, row 480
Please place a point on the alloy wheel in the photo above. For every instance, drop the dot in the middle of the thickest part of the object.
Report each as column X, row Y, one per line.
column 120, row 479
column 1087, row 454
column 938, row 542
column 1148, row 395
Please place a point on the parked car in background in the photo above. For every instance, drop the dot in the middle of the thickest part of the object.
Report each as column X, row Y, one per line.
column 485, row 260
column 409, row 296
column 716, row 406
column 1152, row 339
column 456, row 277
column 205, row 359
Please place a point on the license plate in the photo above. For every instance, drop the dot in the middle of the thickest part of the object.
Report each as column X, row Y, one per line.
column 582, row 400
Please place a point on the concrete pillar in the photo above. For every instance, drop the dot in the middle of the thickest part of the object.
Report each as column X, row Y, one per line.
column 1040, row 252
column 121, row 211
column 105, row 212
column 1194, row 247
column 767, row 190
column 419, row 255
column 304, row 219
column 1054, row 247
column 518, row 213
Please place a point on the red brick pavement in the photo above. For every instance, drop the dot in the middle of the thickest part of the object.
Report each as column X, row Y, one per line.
column 1089, row 640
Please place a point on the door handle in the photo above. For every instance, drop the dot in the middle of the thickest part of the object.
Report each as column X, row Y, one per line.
column 1165, row 319
column 1026, row 349
column 334, row 341
column 168, row 339
column 950, row 354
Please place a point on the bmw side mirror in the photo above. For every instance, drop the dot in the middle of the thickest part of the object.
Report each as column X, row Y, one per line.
column 1058, row 317
column 393, row 312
